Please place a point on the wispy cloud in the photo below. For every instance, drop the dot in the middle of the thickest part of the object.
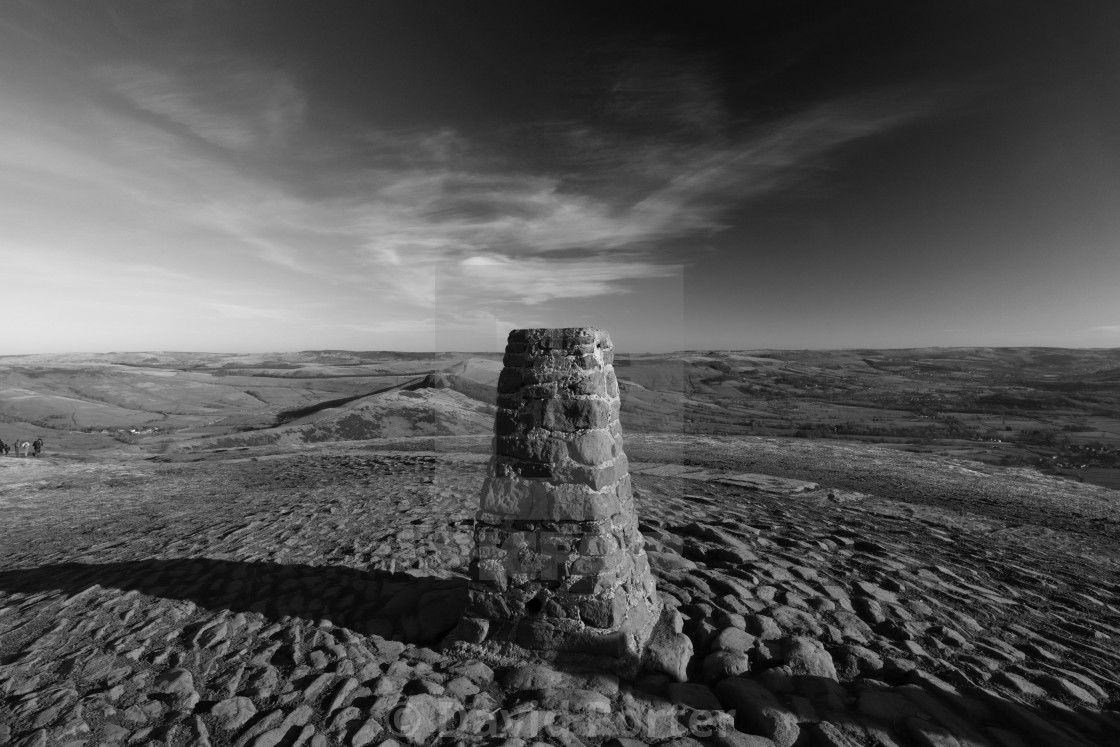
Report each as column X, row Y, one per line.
column 227, row 102
column 535, row 280
column 387, row 225
column 435, row 205
column 535, row 237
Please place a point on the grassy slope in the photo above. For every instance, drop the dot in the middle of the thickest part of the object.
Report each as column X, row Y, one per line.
column 1016, row 406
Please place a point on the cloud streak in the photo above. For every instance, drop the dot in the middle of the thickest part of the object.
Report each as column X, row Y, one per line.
column 509, row 231
column 422, row 212
column 226, row 102
column 388, row 224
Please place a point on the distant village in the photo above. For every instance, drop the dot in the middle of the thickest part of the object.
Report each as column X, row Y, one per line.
column 129, row 431
column 1084, row 456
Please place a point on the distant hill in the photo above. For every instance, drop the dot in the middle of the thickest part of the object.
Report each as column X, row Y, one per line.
column 1052, row 408
column 457, row 401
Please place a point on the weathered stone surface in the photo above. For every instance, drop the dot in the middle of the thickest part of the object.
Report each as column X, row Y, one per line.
column 559, row 565
column 420, row 716
column 735, row 738
column 532, row 677
column 852, row 661
column 367, row 733
column 719, row 665
column 758, row 711
column 669, row 650
column 764, row 627
column 233, row 713
column 178, row 683
column 808, row 656
column 733, row 639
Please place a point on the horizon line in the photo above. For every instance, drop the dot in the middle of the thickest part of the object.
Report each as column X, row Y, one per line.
column 698, row 351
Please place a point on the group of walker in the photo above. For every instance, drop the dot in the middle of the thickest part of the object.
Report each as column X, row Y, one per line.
column 28, row 448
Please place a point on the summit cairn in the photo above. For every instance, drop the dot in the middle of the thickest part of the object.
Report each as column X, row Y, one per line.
column 559, row 566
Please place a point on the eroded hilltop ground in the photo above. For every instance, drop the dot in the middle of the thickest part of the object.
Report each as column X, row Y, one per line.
column 835, row 594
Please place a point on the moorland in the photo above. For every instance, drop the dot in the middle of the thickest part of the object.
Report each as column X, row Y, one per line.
column 865, row 548
column 1056, row 410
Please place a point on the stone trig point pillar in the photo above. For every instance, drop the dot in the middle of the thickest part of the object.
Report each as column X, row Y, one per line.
column 559, row 566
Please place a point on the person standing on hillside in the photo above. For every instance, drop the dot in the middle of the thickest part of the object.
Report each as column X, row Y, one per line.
column 37, row 444
column 4, row 448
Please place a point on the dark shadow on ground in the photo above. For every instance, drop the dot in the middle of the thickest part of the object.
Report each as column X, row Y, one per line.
column 422, row 609
column 919, row 709
column 415, row 609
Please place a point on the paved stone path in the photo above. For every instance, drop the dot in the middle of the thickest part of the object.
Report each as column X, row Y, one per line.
column 299, row 599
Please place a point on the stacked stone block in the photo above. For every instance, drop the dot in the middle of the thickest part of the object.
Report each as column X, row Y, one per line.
column 559, row 565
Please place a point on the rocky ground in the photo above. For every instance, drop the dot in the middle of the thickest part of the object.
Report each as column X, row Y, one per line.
column 834, row 595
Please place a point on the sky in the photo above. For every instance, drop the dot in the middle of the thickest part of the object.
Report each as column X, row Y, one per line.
column 274, row 175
